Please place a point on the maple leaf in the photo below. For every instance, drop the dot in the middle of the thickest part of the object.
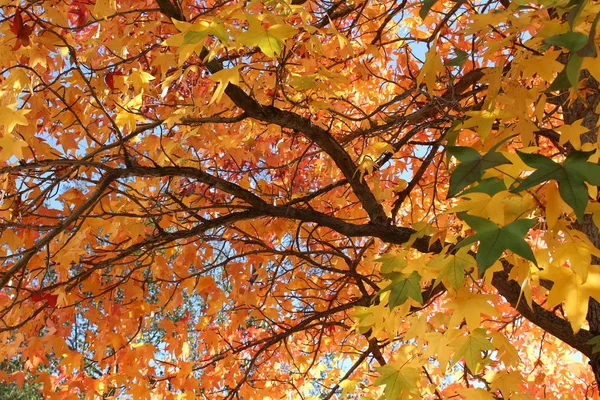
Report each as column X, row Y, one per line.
column 397, row 381
column 10, row 118
column 51, row 299
column 22, row 30
column 270, row 40
column 392, row 263
column 193, row 249
column 78, row 14
column 431, row 68
column 490, row 186
column 570, row 289
column 472, row 166
column 224, row 78
column 470, row 348
column 494, row 240
column 507, row 353
column 403, row 287
column 483, row 120
column 453, row 267
column 476, row 394
column 348, row 386
column 507, row 383
column 200, row 30
column 571, row 177
column 104, row 8
column 572, row 133
column 12, row 147
column 469, row 307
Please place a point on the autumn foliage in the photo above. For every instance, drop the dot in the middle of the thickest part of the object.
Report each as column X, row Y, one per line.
column 300, row 200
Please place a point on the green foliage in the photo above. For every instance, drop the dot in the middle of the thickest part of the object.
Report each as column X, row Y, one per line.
column 12, row 391
column 493, row 240
column 472, row 166
column 571, row 177
column 403, row 287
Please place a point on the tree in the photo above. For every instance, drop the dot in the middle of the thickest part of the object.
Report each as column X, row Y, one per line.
column 20, row 389
column 315, row 199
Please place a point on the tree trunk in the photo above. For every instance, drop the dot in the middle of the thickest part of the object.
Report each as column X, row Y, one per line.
column 585, row 108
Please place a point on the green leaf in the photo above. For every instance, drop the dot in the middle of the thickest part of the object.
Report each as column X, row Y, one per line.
column 397, row 381
column 194, row 37
column 403, row 287
column 472, row 166
column 425, row 8
column 572, row 70
column 595, row 341
column 391, row 263
column 561, row 82
column 571, row 177
column 494, row 240
column 575, row 11
column 454, row 267
column 452, row 133
column 572, row 41
column 470, row 349
column 489, row 186
column 459, row 60
column 590, row 48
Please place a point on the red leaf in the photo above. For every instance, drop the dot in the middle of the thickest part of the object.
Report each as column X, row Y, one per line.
column 110, row 80
column 186, row 317
column 17, row 23
column 49, row 298
column 37, row 296
column 23, row 31
column 78, row 14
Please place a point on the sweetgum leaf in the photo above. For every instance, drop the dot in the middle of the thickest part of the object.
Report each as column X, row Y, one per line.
column 571, row 177
column 494, row 240
column 403, row 287
column 472, row 166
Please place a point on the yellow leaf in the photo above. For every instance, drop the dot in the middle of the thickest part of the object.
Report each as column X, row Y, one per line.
column 432, row 66
column 506, row 351
column 104, row 8
column 569, row 289
column 398, row 381
column 592, row 65
column 182, row 26
column 12, row 147
column 483, row 120
column 476, row 394
column 127, row 120
column 555, row 205
column 366, row 165
column 470, row 306
column 185, row 351
column 453, row 267
column 270, row 41
column 572, row 133
column 506, row 382
column 224, row 77
column 348, row 386
column 546, row 66
column 438, row 346
column 594, row 209
column 140, row 79
column 10, row 118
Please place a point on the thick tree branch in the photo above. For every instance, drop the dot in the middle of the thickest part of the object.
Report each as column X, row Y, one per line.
column 541, row 317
